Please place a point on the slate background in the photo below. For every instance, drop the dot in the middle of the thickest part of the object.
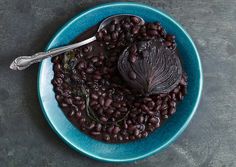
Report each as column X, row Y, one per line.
column 25, row 137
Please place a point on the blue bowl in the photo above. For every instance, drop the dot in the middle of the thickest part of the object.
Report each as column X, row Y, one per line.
column 158, row 140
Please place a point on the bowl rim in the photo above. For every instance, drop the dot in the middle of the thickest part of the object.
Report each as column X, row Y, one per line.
column 173, row 138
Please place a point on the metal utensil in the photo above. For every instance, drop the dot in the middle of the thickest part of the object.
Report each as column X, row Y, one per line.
column 22, row 62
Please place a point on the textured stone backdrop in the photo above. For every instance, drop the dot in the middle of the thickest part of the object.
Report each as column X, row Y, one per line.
column 25, row 137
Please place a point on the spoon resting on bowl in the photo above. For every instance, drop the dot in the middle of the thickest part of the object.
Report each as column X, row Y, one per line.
column 23, row 62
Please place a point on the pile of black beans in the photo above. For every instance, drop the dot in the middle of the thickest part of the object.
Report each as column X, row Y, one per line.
column 93, row 95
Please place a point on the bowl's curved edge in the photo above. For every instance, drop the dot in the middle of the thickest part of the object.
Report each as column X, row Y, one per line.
column 171, row 140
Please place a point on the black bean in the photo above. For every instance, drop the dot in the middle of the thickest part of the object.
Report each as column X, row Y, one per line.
column 180, row 96
column 82, row 107
column 95, row 133
column 106, row 137
column 126, row 137
column 114, row 35
column 135, row 20
column 98, row 127
column 91, row 126
column 110, row 129
column 125, row 125
column 68, row 101
column 147, row 99
column 144, row 108
column 164, row 106
column 110, row 111
column 118, row 28
column 89, row 70
column 57, row 67
column 81, row 65
column 132, row 59
column 94, row 96
column 140, row 119
column 183, row 82
column 101, row 101
column 99, row 35
column 64, row 105
column 103, row 119
column 59, row 98
column 99, row 111
column 93, row 102
column 113, row 58
column 153, row 120
column 71, row 113
column 124, row 109
column 132, row 115
column 112, row 28
column 167, row 43
column 116, row 105
column 151, row 104
column 107, row 38
column 97, row 77
column 172, row 110
column 82, row 120
column 78, row 115
column 131, row 128
column 135, row 29
column 111, row 46
column 132, row 137
column 152, row 32
column 101, row 56
column 157, row 125
column 117, row 114
column 164, row 112
column 136, row 132
column 95, row 59
column 151, row 113
column 145, row 134
column 59, row 81
column 157, row 108
column 87, row 49
column 173, row 104
column 170, row 37
column 103, row 94
column 176, row 90
column 104, row 31
column 158, row 102
column 153, row 26
column 116, row 130
column 173, row 96
column 126, row 26
column 120, row 138
column 108, row 102
column 133, row 49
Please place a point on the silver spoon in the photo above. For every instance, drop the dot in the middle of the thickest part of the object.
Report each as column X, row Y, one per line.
column 21, row 63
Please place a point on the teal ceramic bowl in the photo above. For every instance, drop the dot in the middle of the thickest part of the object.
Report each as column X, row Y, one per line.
column 156, row 141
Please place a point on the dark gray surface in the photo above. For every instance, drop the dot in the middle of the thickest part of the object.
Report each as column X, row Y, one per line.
column 25, row 137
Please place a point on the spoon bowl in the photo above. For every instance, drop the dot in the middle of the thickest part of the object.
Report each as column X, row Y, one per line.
column 118, row 17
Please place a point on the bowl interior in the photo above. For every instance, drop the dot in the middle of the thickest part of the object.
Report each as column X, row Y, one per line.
column 161, row 137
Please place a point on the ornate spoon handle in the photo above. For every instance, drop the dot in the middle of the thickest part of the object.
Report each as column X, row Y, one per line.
column 22, row 62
